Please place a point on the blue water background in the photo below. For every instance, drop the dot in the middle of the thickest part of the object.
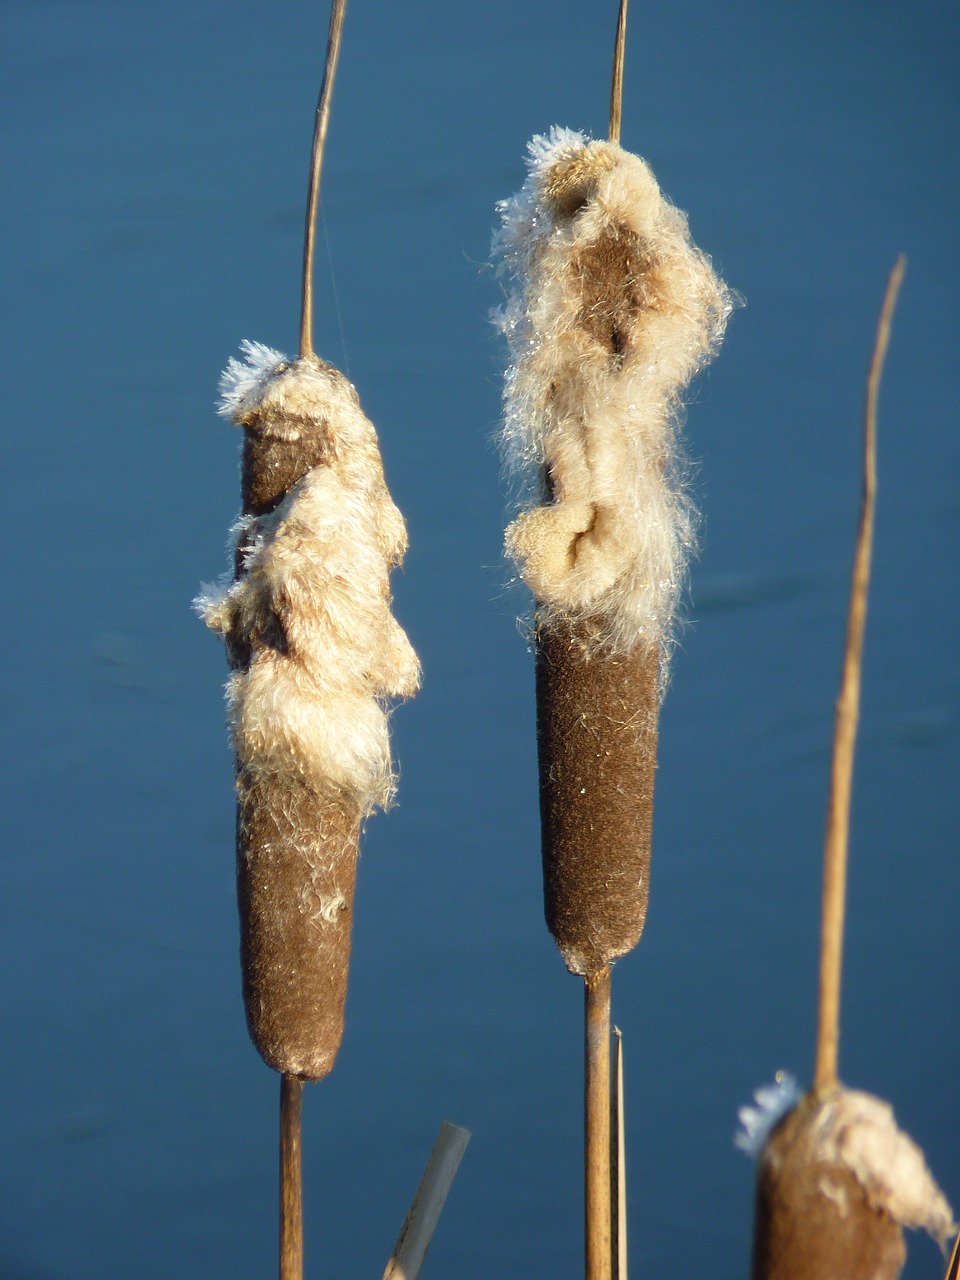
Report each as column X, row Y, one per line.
column 155, row 165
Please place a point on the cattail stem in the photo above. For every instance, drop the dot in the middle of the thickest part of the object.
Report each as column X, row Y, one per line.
column 616, row 79
column 596, row 1093
column 291, row 1196
column 953, row 1267
column 845, row 725
column 316, row 162
column 618, row 1163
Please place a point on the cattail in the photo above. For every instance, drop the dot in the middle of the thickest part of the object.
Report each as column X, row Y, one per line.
column 837, row 1180
column 315, row 653
column 611, row 312
column 837, row 1183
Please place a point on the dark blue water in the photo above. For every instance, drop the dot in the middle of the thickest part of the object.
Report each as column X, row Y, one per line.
column 155, row 160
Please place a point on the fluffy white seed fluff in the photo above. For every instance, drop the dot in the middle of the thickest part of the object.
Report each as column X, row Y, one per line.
column 312, row 603
column 860, row 1130
column 611, row 310
column 773, row 1102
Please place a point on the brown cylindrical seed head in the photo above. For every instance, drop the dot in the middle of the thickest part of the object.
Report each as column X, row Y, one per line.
column 296, row 867
column 597, row 747
column 836, row 1183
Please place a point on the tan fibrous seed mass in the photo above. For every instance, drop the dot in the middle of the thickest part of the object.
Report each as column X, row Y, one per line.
column 611, row 310
column 307, row 620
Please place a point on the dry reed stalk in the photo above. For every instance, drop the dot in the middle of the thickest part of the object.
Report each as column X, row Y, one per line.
column 953, row 1266
column 316, row 655
column 611, row 312
column 837, row 1179
column 291, row 1181
column 598, row 1187
column 837, row 838
column 618, row 1163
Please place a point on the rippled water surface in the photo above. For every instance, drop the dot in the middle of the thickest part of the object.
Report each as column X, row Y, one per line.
column 155, row 162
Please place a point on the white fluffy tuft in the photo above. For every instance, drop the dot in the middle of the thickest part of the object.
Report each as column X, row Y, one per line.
column 318, row 651
column 611, row 310
column 241, row 379
column 860, row 1130
column 773, row 1102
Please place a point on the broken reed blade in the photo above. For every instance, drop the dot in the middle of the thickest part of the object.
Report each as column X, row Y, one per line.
column 611, row 310
column 316, row 655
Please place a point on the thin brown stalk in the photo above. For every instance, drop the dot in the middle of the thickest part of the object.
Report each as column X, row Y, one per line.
column 291, row 1196
column 953, row 1266
column 596, row 1092
column 316, row 163
column 616, row 80
column 845, row 725
column 618, row 1163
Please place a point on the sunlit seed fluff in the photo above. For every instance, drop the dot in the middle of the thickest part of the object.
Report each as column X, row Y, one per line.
column 856, row 1131
column 611, row 310
column 311, row 606
column 773, row 1101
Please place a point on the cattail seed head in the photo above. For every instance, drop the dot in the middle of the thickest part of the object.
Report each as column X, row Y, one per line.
column 837, row 1181
column 611, row 310
column 316, row 655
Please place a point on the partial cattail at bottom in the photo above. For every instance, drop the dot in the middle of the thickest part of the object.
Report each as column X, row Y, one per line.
column 611, row 311
column 837, row 1182
column 316, row 654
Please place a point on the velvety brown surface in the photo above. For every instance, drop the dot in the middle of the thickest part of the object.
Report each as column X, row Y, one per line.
column 813, row 1221
column 270, row 467
column 597, row 745
column 616, row 282
column 295, row 857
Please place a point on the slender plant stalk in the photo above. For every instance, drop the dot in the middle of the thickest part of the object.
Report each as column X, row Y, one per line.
column 291, row 1196
column 596, row 1094
column 316, row 163
column 618, row 1163
column 845, row 726
column 616, row 80
column 953, row 1266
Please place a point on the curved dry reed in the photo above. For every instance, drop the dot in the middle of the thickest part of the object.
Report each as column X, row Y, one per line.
column 837, row 1180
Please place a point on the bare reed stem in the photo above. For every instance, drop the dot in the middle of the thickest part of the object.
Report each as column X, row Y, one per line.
column 953, row 1267
column 316, row 162
column 616, row 81
column 596, row 1114
column 291, row 1196
column 618, row 1163
column 845, row 725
